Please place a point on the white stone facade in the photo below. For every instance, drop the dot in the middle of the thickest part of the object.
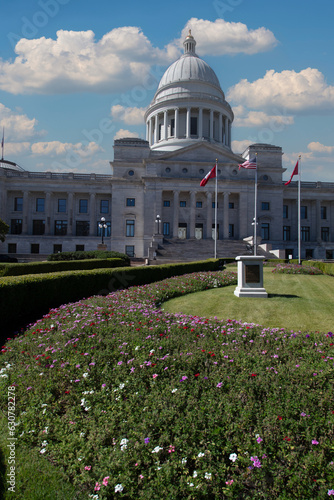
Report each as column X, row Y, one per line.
column 189, row 126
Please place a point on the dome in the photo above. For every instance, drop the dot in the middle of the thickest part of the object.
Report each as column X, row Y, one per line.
column 189, row 67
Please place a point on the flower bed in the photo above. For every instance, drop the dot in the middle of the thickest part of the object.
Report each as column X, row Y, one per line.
column 138, row 403
column 296, row 269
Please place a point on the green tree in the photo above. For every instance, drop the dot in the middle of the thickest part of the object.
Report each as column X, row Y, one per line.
column 4, row 228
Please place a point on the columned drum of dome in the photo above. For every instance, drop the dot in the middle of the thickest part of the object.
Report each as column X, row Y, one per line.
column 188, row 106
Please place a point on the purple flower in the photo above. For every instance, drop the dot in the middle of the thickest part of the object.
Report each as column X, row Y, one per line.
column 314, row 441
column 219, row 384
column 120, row 362
column 147, row 440
column 259, row 440
column 330, row 492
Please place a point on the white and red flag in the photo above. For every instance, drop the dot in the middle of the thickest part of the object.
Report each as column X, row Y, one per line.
column 251, row 163
column 210, row 175
column 295, row 172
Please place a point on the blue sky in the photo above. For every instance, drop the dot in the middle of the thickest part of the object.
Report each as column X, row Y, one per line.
column 76, row 74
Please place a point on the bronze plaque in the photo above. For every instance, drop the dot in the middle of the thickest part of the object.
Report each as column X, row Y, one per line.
column 252, row 273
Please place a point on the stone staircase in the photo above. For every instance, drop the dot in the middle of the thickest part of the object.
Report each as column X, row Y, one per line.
column 177, row 250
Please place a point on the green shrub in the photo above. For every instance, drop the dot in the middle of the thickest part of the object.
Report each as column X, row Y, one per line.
column 93, row 254
column 53, row 267
column 23, row 298
column 325, row 267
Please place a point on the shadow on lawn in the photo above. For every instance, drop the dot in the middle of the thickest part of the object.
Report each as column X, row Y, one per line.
column 283, row 295
column 2, row 474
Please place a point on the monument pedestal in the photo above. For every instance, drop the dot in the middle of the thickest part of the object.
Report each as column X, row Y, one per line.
column 102, row 247
column 250, row 276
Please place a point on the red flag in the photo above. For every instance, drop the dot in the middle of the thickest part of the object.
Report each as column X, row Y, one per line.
column 295, row 172
column 210, row 175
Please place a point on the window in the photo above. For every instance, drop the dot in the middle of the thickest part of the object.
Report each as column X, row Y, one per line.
column 214, row 204
column 130, row 202
column 130, row 250
column 107, row 230
column 34, row 248
column 323, row 213
column 16, row 226
column 57, row 248
column 131, row 173
column 329, row 254
column 166, row 203
column 265, row 230
column 60, row 227
column 83, row 206
column 79, row 248
column 198, row 204
column 286, row 233
column 231, row 205
column 325, row 233
column 40, row 205
column 265, row 205
column 305, row 233
column 285, row 212
column 303, row 212
column 11, row 247
column 130, row 228
column 18, row 204
column 38, row 227
column 172, row 127
column 166, row 229
column 104, row 206
column 231, row 230
column 309, row 253
column 61, row 205
column 183, row 203
column 82, row 228
column 193, row 125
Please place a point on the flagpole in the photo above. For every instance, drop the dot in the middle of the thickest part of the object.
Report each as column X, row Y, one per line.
column 216, row 203
column 255, row 210
column 299, row 228
column 3, row 141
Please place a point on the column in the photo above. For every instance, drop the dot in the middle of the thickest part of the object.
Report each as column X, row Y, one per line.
column 176, row 205
column 226, row 215
column 155, row 129
column 192, row 214
column 70, row 214
column 211, row 124
column 25, row 212
column 188, row 123
column 48, row 213
column 317, row 221
column 245, row 229
column 200, row 123
column 92, row 219
column 209, row 215
column 165, row 125
column 220, row 132
column 176, row 125
column 226, row 131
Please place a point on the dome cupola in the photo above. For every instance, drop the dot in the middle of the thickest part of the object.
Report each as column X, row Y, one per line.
column 189, row 105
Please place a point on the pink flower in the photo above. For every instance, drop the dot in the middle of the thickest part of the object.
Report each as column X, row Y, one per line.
column 105, row 481
column 155, row 375
column 314, row 441
column 259, row 440
column 229, row 482
column 88, row 467
column 97, row 487
column 141, row 476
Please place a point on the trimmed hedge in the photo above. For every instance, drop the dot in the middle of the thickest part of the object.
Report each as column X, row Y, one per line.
column 325, row 267
column 53, row 267
column 23, row 299
column 91, row 254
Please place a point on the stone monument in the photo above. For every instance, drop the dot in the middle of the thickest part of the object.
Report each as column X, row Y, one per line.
column 250, row 276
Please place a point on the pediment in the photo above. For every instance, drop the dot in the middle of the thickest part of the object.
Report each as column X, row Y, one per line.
column 200, row 152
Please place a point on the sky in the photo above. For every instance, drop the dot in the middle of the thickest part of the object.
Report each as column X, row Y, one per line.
column 75, row 75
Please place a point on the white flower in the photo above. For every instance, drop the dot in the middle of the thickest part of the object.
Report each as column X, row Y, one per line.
column 44, row 443
column 157, row 449
column 85, row 375
column 200, row 455
column 124, row 441
column 136, row 348
column 184, row 460
column 233, row 457
column 207, row 475
column 118, row 488
column 82, row 434
column 195, row 473
column 191, row 484
column 174, row 390
column 87, row 408
column 43, row 450
column 121, row 386
column 124, row 447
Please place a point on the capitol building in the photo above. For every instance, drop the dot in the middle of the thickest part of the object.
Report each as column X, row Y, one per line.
column 152, row 205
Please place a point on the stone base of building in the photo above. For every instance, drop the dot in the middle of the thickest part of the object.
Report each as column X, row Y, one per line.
column 251, row 292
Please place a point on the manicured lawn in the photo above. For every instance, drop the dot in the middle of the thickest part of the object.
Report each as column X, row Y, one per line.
column 295, row 302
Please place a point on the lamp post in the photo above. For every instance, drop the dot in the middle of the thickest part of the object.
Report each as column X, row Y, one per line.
column 158, row 221
column 102, row 226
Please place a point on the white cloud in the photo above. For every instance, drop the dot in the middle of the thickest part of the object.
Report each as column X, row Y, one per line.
column 124, row 133
column 130, row 116
column 222, row 37
column 75, row 61
column 16, row 148
column 57, row 148
column 289, row 91
column 317, row 147
column 17, row 126
column 240, row 146
column 246, row 118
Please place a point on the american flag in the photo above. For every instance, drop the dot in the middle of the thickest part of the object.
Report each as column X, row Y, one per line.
column 251, row 163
